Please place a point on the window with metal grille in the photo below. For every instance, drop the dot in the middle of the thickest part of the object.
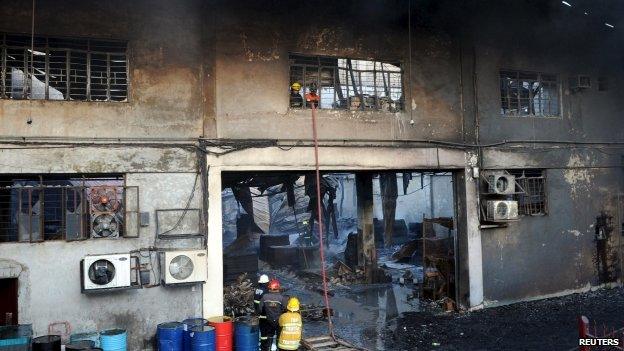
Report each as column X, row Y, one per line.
column 40, row 208
column 532, row 195
column 349, row 84
column 51, row 68
column 529, row 94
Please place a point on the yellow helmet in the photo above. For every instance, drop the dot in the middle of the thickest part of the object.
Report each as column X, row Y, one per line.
column 296, row 86
column 293, row 304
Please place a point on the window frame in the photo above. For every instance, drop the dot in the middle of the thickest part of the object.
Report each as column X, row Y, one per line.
column 319, row 66
column 129, row 207
column 94, row 46
column 526, row 205
column 539, row 78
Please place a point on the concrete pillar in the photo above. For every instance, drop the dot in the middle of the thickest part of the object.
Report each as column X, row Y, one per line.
column 367, row 255
column 213, row 289
column 473, row 235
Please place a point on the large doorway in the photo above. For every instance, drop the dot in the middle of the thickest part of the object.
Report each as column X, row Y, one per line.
column 270, row 227
column 8, row 301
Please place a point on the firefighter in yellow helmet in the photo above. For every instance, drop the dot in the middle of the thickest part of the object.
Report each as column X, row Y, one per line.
column 296, row 100
column 290, row 324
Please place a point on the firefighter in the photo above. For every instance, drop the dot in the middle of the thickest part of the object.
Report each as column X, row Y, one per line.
column 261, row 289
column 312, row 98
column 290, row 325
column 296, row 100
column 271, row 308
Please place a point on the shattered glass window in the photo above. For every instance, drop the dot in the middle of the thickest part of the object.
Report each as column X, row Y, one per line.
column 47, row 68
column 529, row 94
column 348, row 84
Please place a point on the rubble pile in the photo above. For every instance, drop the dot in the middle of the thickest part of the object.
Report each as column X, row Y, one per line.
column 313, row 312
column 344, row 275
column 238, row 297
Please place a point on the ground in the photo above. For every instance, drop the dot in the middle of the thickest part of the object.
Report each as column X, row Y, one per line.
column 549, row 324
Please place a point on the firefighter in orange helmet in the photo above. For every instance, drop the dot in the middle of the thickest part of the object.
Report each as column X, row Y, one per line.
column 271, row 307
column 311, row 97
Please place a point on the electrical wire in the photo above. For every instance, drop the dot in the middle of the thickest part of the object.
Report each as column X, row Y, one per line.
column 186, row 208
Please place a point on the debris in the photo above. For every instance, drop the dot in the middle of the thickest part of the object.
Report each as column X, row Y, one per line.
column 314, row 312
column 238, row 297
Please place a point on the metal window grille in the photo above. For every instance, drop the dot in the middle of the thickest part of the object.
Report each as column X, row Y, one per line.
column 350, row 84
column 63, row 68
column 529, row 94
column 34, row 210
column 532, row 201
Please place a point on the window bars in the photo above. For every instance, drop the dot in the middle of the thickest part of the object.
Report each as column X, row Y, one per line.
column 532, row 201
column 350, row 84
column 529, row 94
column 63, row 68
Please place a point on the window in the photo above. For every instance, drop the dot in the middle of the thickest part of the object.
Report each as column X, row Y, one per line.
column 348, row 84
column 532, row 201
column 529, row 94
column 63, row 69
column 39, row 208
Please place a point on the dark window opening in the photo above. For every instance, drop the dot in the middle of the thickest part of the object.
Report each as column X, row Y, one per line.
column 344, row 83
column 529, row 94
column 532, row 195
column 38, row 208
column 603, row 84
column 63, row 69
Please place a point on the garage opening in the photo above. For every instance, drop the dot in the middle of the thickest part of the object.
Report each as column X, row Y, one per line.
column 389, row 241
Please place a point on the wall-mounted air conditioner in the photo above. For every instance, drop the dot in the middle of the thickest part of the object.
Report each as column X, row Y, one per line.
column 501, row 210
column 184, row 266
column 501, row 184
column 105, row 272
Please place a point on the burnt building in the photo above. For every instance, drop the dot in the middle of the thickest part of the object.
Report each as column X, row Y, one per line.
column 156, row 106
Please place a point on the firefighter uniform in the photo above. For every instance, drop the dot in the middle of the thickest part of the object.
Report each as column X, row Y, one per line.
column 290, row 324
column 271, row 307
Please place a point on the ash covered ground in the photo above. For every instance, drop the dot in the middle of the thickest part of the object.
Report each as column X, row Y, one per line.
column 549, row 324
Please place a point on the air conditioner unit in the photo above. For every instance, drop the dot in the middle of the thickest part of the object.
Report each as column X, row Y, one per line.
column 501, row 184
column 105, row 272
column 184, row 267
column 580, row 82
column 501, row 210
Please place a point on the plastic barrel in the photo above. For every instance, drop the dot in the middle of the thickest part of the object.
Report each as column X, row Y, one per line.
column 91, row 336
column 47, row 343
column 224, row 330
column 246, row 334
column 170, row 336
column 113, row 340
column 188, row 324
column 203, row 338
column 80, row 345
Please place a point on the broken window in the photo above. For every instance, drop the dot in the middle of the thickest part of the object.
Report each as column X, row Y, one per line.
column 344, row 83
column 532, row 197
column 39, row 208
column 48, row 68
column 529, row 94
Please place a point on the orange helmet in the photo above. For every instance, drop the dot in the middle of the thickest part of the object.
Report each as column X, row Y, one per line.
column 274, row 285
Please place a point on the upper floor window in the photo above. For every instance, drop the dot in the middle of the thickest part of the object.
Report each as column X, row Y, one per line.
column 529, row 94
column 51, row 68
column 343, row 83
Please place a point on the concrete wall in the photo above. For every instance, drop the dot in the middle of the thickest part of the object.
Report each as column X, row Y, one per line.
column 49, row 275
column 541, row 256
column 165, row 63
column 252, row 68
